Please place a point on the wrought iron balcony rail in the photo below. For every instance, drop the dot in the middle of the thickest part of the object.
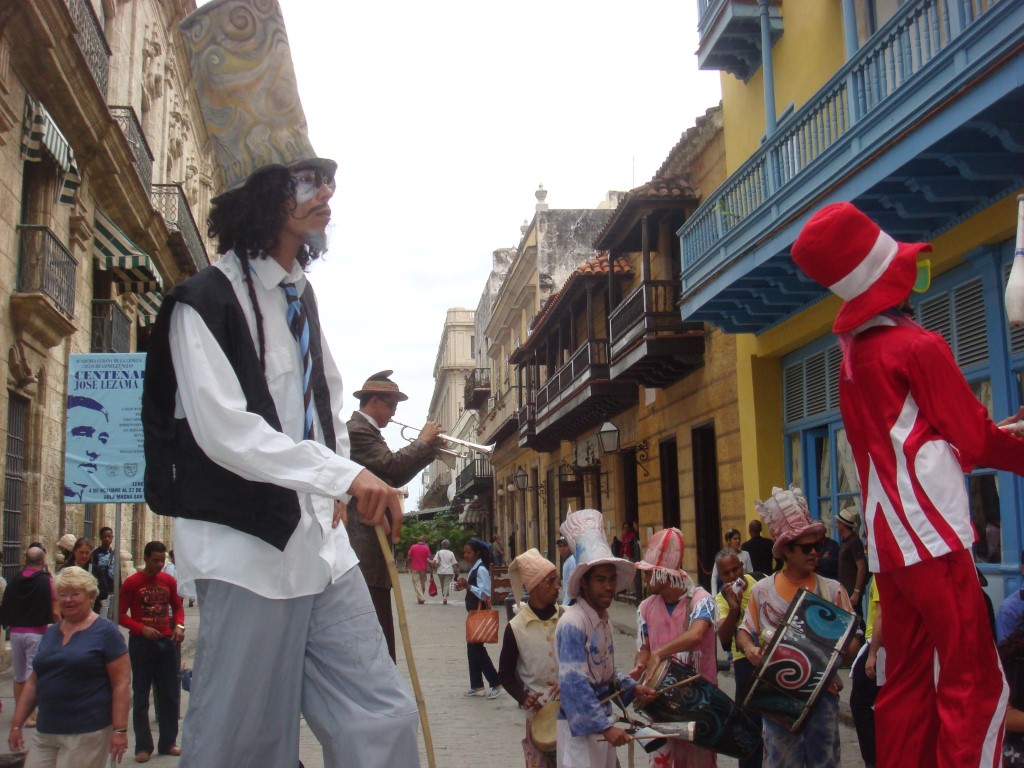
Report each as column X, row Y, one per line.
column 45, row 265
column 915, row 36
column 132, row 129
column 111, row 327
column 92, row 42
column 170, row 202
column 474, row 472
column 478, row 387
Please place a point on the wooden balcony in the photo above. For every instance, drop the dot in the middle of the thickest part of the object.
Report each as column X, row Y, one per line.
column 478, row 388
column 650, row 344
column 580, row 395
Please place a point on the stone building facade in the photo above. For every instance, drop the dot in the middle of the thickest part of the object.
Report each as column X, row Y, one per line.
column 106, row 171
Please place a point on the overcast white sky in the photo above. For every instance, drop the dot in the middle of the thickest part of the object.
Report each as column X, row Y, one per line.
column 444, row 117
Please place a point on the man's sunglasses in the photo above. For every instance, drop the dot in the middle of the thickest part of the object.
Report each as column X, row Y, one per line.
column 814, row 546
column 308, row 182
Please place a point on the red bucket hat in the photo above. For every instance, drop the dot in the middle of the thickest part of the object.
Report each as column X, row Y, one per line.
column 845, row 251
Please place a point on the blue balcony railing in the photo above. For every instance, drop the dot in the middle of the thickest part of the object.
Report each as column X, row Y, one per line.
column 919, row 33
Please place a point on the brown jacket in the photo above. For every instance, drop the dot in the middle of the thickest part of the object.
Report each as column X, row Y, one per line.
column 393, row 467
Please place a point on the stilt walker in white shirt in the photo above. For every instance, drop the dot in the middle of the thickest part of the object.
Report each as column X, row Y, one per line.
column 246, row 447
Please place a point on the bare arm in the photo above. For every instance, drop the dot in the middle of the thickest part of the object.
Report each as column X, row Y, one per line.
column 27, row 702
column 120, row 672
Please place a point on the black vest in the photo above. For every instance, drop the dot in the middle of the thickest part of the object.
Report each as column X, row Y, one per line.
column 180, row 479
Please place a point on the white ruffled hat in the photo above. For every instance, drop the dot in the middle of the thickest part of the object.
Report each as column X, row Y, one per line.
column 584, row 531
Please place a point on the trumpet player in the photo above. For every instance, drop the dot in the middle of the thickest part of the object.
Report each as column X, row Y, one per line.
column 378, row 400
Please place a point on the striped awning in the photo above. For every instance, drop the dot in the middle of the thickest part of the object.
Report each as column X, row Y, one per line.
column 40, row 134
column 149, row 305
column 115, row 252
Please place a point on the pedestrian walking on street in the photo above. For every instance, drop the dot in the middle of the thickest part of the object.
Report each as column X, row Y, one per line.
column 419, row 555
column 243, row 390
column 29, row 607
column 447, row 568
column 914, row 425
column 478, row 590
column 147, row 601
column 80, row 682
column 527, row 667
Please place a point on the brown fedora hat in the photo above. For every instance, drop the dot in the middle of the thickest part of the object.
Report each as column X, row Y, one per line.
column 380, row 384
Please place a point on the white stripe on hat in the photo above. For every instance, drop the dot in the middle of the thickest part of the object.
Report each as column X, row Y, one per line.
column 871, row 267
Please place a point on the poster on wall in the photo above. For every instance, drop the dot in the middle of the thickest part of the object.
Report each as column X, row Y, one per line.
column 103, row 455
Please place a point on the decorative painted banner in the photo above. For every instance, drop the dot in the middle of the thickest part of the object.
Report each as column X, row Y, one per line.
column 103, row 455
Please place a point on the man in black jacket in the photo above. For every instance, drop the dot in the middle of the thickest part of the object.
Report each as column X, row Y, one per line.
column 29, row 606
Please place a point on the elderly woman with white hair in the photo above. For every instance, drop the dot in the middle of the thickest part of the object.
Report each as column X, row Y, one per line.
column 80, row 682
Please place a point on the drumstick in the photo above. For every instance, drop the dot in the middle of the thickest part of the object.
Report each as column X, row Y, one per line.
column 653, row 736
column 666, row 688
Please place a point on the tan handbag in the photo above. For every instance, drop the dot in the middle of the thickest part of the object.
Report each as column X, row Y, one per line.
column 482, row 624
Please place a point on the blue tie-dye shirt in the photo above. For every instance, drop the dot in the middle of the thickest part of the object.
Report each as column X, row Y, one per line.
column 586, row 669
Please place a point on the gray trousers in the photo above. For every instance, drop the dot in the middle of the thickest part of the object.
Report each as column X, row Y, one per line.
column 259, row 662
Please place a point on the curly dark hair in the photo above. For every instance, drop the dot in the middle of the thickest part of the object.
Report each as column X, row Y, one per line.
column 249, row 221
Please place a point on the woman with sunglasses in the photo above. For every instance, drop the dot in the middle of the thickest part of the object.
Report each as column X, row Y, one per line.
column 798, row 542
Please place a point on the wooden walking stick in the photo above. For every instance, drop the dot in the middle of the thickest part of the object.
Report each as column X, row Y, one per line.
column 403, row 626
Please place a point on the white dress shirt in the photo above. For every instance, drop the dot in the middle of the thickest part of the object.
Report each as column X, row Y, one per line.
column 211, row 398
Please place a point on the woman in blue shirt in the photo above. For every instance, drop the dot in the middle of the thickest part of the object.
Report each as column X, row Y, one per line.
column 477, row 584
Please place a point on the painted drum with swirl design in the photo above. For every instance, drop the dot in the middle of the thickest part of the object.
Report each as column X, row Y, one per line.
column 721, row 724
column 800, row 660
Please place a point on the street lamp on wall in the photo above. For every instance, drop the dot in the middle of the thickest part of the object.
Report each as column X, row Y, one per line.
column 608, row 437
column 522, row 482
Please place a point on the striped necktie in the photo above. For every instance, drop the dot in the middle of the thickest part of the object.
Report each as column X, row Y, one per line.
column 300, row 330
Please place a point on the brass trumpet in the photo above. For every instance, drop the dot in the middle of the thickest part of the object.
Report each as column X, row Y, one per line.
column 486, row 450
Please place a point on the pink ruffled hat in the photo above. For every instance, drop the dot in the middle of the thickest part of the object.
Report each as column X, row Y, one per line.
column 787, row 518
column 664, row 558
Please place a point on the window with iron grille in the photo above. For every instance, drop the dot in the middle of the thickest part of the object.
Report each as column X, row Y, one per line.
column 14, row 482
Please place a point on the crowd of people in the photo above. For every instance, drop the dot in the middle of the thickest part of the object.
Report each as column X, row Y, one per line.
column 75, row 677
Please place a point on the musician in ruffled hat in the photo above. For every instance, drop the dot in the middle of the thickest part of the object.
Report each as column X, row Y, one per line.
column 378, row 401
column 798, row 541
column 245, row 445
column 527, row 667
column 914, row 426
column 676, row 621
column 587, row 735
